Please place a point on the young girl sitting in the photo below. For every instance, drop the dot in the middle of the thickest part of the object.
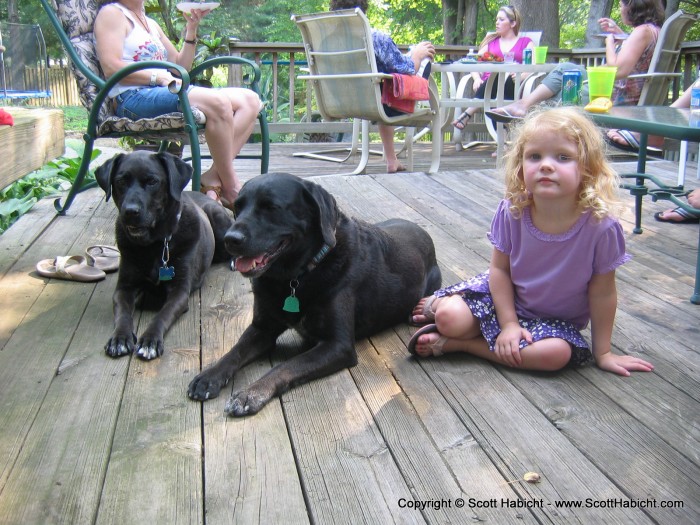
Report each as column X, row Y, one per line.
column 556, row 247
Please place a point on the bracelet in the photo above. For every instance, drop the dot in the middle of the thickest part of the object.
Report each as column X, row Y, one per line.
column 154, row 79
column 193, row 41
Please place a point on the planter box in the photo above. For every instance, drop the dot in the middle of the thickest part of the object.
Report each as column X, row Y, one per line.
column 36, row 138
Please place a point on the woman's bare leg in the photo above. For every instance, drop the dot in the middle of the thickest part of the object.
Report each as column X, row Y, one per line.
column 392, row 162
column 231, row 115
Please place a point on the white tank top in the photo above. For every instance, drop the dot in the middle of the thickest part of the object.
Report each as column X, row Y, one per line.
column 139, row 45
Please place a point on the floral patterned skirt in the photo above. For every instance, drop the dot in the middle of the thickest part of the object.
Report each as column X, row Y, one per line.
column 477, row 295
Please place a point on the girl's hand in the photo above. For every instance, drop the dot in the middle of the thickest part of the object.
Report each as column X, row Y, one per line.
column 476, row 83
column 507, row 346
column 622, row 364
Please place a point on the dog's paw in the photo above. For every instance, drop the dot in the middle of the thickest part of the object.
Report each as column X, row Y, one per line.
column 150, row 348
column 206, row 385
column 245, row 403
column 120, row 345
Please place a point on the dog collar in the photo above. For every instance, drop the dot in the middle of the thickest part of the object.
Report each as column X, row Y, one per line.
column 166, row 272
column 318, row 257
column 291, row 303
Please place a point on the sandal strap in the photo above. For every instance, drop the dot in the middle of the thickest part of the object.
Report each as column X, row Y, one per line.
column 203, row 188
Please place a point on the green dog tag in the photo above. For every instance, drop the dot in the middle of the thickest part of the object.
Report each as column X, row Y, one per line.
column 291, row 305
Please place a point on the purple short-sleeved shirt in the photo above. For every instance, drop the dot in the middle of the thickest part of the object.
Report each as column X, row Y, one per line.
column 550, row 273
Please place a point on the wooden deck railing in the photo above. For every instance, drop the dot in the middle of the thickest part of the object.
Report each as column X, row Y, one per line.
column 291, row 101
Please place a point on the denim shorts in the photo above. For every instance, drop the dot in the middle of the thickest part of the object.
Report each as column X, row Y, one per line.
column 146, row 102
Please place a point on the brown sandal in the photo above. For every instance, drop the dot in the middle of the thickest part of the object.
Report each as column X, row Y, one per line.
column 203, row 188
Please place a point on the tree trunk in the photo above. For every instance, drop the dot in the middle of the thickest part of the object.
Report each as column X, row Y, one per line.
column 599, row 9
column 540, row 15
column 12, row 14
column 672, row 6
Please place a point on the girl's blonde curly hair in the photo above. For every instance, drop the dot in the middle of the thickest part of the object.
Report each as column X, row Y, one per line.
column 599, row 182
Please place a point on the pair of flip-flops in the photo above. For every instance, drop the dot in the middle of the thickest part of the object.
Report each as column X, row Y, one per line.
column 98, row 261
column 631, row 144
column 686, row 217
column 427, row 327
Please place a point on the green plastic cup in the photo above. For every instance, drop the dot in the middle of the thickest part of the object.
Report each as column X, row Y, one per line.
column 540, row 54
column 601, row 80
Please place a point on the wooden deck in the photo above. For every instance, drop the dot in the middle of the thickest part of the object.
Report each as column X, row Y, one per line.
column 89, row 439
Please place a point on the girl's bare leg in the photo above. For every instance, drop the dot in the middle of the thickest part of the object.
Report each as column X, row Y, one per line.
column 392, row 162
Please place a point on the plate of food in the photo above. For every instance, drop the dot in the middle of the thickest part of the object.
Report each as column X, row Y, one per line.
column 187, row 7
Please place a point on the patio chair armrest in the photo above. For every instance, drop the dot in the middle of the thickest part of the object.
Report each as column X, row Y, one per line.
column 179, row 71
column 656, row 75
column 230, row 61
column 378, row 77
column 103, row 93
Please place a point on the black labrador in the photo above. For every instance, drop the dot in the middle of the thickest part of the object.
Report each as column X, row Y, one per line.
column 168, row 239
column 332, row 278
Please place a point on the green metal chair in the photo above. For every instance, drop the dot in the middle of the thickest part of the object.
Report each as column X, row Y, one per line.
column 73, row 21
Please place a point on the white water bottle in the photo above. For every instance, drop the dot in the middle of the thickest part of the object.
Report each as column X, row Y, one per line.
column 695, row 97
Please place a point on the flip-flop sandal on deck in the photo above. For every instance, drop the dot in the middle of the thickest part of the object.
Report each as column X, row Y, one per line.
column 69, row 268
column 104, row 257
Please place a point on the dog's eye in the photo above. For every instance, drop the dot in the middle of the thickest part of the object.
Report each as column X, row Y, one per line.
column 152, row 181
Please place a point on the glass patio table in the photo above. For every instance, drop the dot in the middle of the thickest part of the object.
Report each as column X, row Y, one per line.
column 665, row 121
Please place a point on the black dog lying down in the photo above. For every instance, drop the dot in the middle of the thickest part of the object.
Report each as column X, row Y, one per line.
column 332, row 278
column 167, row 238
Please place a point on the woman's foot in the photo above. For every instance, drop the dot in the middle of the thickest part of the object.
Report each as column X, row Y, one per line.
column 676, row 215
column 509, row 113
column 629, row 141
column 461, row 121
column 394, row 167
column 213, row 192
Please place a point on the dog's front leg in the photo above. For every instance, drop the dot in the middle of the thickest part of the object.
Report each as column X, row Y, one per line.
column 325, row 358
column 150, row 343
column 123, row 340
column 255, row 342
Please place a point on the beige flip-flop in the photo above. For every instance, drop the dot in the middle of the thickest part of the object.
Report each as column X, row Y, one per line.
column 69, row 268
column 435, row 348
column 104, row 257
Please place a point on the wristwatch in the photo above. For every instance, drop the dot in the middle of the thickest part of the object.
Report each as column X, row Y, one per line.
column 154, row 78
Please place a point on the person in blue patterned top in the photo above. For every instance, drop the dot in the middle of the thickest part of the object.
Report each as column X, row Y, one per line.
column 391, row 60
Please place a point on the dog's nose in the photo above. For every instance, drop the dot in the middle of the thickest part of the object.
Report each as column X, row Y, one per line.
column 234, row 238
column 131, row 210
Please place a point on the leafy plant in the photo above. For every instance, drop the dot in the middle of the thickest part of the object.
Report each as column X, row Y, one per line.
column 19, row 197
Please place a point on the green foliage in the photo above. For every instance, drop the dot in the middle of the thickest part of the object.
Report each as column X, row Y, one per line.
column 75, row 118
column 19, row 197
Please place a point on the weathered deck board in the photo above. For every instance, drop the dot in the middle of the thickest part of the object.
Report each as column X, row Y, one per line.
column 89, row 439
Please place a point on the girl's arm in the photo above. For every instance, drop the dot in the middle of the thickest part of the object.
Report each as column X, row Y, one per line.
column 508, row 341
column 630, row 51
column 602, row 301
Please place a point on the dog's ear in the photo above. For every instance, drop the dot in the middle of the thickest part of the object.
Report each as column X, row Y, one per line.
column 105, row 173
column 327, row 211
column 179, row 173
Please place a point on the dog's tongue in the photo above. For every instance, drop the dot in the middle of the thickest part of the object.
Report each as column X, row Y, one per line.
column 245, row 264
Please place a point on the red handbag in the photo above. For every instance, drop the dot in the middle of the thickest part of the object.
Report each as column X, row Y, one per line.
column 402, row 91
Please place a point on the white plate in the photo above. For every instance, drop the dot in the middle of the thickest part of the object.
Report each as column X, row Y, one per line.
column 620, row 36
column 187, row 7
